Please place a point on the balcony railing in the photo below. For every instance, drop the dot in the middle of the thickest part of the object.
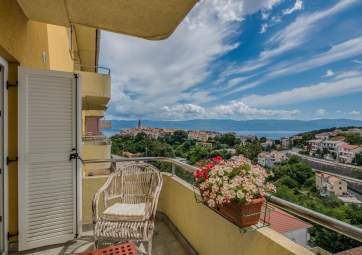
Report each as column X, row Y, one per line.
column 105, row 124
column 96, row 139
column 299, row 211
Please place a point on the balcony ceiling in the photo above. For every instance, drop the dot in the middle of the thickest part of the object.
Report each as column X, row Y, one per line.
column 149, row 19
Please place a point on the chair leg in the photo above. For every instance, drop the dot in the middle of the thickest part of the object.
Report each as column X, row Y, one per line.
column 149, row 248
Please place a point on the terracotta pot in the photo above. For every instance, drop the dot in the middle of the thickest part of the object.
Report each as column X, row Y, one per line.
column 244, row 215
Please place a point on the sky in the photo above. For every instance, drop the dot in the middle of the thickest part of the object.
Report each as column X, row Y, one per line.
column 243, row 59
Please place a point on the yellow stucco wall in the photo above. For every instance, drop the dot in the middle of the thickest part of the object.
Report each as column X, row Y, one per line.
column 89, row 187
column 96, row 150
column 211, row 234
column 29, row 44
column 21, row 40
column 59, row 48
column 208, row 233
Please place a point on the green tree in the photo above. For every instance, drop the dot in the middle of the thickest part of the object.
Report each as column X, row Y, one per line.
column 197, row 153
column 250, row 150
column 358, row 159
column 353, row 138
column 229, row 139
column 330, row 240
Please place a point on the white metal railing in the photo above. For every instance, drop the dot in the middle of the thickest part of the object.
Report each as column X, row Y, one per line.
column 297, row 210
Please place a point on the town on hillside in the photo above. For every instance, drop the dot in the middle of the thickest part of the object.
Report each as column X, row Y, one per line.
column 317, row 169
column 336, row 145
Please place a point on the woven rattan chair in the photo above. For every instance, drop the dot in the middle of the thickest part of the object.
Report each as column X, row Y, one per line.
column 124, row 208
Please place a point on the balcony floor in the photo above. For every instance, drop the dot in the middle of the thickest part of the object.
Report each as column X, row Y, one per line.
column 164, row 242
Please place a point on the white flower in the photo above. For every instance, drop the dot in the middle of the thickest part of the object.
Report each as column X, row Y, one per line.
column 240, row 194
column 220, row 200
column 211, row 203
column 215, row 188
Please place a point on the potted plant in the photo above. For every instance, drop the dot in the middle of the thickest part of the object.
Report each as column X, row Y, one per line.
column 234, row 187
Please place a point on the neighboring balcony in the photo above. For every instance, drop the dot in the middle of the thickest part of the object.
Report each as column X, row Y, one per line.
column 93, row 147
column 96, row 90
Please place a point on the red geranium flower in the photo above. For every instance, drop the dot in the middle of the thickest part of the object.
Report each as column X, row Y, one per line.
column 217, row 159
column 208, row 166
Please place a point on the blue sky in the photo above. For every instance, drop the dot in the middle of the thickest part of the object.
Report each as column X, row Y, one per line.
column 235, row 59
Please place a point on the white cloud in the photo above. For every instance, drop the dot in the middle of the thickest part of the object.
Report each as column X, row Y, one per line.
column 298, row 5
column 357, row 61
column 294, row 35
column 347, row 74
column 240, row 110
column 147, row 75
column 341, row 51
column 321, row 112
column 338, row 52
column 329, row 73
column 264, row 28
column 321, row 90
column 182, row 111
column 232, row 110
column 354, row 112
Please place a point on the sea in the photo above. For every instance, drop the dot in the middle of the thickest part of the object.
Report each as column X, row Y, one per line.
column 270, row 134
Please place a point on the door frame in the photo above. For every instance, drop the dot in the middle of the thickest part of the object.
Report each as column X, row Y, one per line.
column 4, row 175
column 79, row 175
column 22, row 98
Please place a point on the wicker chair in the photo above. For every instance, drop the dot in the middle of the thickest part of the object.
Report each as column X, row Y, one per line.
column 124, row 208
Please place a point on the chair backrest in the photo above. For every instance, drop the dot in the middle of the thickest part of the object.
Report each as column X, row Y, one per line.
column 134, row 183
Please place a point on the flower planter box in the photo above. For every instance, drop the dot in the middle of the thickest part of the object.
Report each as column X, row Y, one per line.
column 243, row 215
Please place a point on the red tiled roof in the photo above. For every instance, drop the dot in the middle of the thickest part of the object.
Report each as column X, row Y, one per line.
column 283, row 222
column 349, row 146
column 354, row 251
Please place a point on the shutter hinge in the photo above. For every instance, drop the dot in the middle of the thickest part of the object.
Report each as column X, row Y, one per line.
column 8, row 160
column 1, row 218
column 76, row 75
column 8, row 84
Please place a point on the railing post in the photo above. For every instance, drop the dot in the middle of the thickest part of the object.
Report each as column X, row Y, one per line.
column 173, row 170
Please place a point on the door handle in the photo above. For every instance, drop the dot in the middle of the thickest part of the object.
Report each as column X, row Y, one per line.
column 74, row 155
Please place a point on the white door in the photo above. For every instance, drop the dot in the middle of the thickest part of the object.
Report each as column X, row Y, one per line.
column 48, row 133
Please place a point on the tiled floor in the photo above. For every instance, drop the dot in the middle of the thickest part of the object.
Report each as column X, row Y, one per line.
column 164, row 243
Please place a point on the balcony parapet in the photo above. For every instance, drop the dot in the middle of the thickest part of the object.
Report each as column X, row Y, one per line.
column 299, row 211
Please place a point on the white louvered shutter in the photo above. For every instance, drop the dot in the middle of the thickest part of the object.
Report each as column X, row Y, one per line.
column 47, row 178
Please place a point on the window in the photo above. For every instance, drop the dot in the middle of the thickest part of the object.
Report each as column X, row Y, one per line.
column 92, row 126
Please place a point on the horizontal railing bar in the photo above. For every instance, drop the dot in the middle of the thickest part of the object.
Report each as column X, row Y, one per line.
column 297, row 210
column 185, row 166
column 317, row 218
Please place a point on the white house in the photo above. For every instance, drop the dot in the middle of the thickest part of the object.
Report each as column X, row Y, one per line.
column 314, row 145
column 330, row 145
column 330, row 185
column 268, row 159
column 347, row 152
column 322, row 136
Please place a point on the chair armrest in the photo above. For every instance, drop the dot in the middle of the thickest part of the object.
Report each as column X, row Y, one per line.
column 97, row 195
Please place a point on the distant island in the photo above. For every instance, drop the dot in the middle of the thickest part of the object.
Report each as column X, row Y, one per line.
column 260, row 128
